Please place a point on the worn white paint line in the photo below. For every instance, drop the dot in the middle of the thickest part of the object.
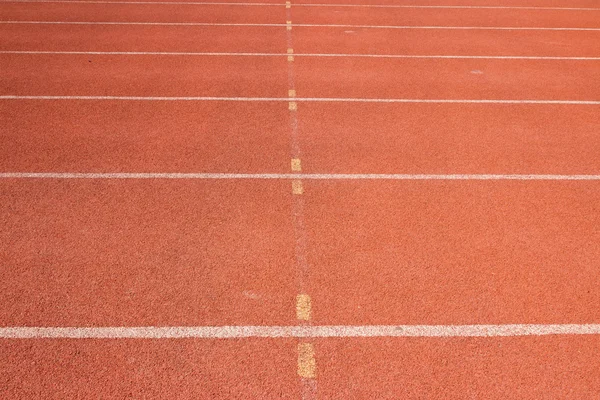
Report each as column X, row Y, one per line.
column 504, row 28
column 197, row 3
column 454, row 7
column 293, row 176
column 335, row 331
column 303, row 99
column 217, row 54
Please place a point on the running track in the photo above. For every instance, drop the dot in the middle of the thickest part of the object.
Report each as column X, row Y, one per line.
column 299, row 200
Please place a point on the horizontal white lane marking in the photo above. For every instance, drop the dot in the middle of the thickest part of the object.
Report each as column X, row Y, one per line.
column 304, row 99
column 455, row 7
column 173, row 53
column 309, row 5
column 504, row 28
column 339, row 331
column 169, row 175
column 196, row 3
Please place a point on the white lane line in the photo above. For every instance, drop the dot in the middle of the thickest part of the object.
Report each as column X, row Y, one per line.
column 503, row 28
column 452, row 7
column 195, row 3
column 335, row 331
column 209, row 54
column 294, row 176
column 309, row 5
column 303, row 99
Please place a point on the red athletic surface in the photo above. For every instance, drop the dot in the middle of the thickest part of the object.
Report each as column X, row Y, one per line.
column 446, row 79
column 470, row 368
column 137, row 253
column 474, row 138
column 453, row 252
column 88, row 253
column 134, row 136
column 156, row 369
column 229, row 39
column 152, row 76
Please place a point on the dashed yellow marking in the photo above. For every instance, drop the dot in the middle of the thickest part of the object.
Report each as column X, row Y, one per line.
column 293, row 106
column 288, row 4
column 307, row 366
column 289, row 25
column 303, row 307
column 290, row 51
column 291, row 93
column 290, row 58
column 297, row 187
column 296, row 165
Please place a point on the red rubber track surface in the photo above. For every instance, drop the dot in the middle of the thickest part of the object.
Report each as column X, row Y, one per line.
column 78, row 253
column 134, row 253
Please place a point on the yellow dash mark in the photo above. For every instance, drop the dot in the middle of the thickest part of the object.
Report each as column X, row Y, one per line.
column 290, row 51
column 290, row 56
column 291, row 93
column 289, row 25
column 307, row 367
column 288, row 4
column 293, row 106
column 296, row 167
column 297, row 187
column 303, row 307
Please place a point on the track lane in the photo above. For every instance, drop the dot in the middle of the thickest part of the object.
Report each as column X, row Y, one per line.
column 140, row 13
column 447, row 79
column 148, row 76
column 445, row 42
column 242, row 369
column 142, row 38
column 524, row 368
column 446, row 17
column 460, row 252
column 130, row 253
column 473, row 138
column 136, row 136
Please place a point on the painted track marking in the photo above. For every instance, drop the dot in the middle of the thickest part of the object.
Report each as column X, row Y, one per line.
column 290, row 52
column 307, row 331
column 288, row 24
column 309, row 99
column 287, row 5
column 294, row 176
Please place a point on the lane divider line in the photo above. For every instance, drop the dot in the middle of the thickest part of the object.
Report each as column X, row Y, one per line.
column 290, row 51
column 306, row 359
column 304, row 331
column 307, row 367
column 288, row 25
column 297, row 187
column 302, row 99
column 303, row 307
column 294, row 176
column 296, row 165
column 308, row 5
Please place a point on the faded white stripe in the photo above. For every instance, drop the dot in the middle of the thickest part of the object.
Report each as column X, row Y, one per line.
column 453, row 177
column 171, row 53
column 309, row 5
column 339, row 331
column 304, row 99
column 504, row 28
